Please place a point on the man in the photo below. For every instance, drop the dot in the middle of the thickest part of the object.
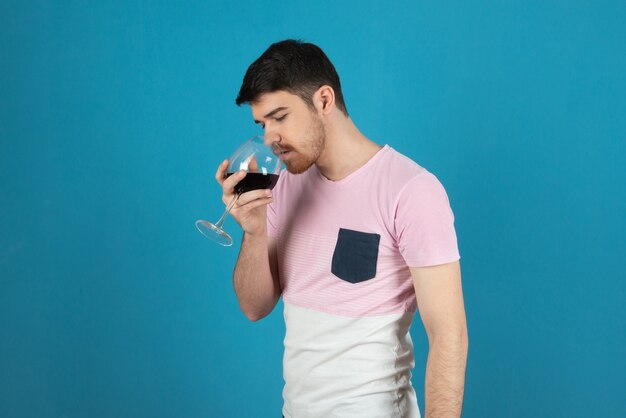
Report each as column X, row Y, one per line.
column 355, row 237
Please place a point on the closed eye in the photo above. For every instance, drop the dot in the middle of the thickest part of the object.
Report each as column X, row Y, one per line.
column 280, row 119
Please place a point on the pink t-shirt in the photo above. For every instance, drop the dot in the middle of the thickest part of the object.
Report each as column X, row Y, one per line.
column 344, row 252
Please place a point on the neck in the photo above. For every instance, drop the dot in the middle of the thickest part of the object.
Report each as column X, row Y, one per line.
column 346, row 149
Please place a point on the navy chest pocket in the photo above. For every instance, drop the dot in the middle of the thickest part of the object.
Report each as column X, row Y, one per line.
column 355, row 256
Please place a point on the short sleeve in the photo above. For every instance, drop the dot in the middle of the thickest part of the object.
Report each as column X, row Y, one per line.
column 424, row 223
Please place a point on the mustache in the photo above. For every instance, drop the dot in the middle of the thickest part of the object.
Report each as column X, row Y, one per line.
column 277, row 148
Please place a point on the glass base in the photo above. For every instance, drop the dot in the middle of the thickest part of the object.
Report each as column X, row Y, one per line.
column 214, row 233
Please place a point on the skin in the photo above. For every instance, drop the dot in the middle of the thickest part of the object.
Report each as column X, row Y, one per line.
column 324, row 136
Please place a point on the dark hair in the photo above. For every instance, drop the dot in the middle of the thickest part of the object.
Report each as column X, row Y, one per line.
column 294, row 66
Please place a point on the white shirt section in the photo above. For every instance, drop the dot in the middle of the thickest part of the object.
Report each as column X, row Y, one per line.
column 346, row 367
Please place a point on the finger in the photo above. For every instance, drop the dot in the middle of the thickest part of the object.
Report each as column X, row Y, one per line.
column 253, row 165
column 220, row 174
column 231, row 181
column 255, row 204
column 253, row 195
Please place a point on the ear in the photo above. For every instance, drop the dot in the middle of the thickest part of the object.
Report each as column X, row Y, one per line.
column 324, row 99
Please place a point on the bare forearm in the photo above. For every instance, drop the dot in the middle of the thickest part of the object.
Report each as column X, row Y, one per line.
column 445, row 377
column 254, row 285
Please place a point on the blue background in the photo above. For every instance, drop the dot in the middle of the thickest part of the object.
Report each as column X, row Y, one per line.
column 114, row 116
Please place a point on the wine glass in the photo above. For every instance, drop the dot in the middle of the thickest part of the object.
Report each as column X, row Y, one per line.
column 262, row 167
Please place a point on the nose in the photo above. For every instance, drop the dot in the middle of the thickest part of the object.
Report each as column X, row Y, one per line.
column 267, row 140
column 270, row 138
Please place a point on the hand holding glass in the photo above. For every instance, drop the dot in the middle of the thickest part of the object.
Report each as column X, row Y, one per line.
column 262, row 168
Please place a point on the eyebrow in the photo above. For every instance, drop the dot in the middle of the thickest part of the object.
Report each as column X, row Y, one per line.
column 272, row 113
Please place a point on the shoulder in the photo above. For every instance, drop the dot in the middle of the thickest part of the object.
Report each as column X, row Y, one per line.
column 397, row 172
column 401, row 165
column 415, row 192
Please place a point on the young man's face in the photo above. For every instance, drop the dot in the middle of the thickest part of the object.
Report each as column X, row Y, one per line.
column 291, row 127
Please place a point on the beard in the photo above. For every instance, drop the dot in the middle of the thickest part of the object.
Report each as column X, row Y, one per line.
column 314, row 140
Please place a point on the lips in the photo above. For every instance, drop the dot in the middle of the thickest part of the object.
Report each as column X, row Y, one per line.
column 280, row 152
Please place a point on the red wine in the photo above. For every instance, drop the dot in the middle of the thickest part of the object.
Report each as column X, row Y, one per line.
column 255, row 181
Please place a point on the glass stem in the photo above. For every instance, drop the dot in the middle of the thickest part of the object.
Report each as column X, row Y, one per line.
column 228, row 209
